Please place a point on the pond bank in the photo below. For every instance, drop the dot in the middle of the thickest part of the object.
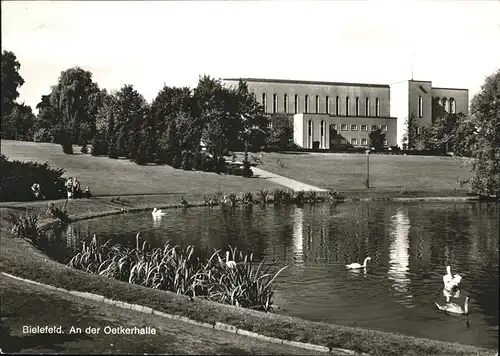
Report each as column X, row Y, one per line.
column 20, row 259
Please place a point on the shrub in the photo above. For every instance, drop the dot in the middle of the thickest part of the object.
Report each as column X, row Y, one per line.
column 207, row 163
column 42, row 135
column 67, row 147
column 235, row 171
column 247, row 171
column 177, row 161
column 18, row 177
column 312, row 196
column 197, row 161
column 300, row 197
column 187, row 161
column 335, row 195
column 25, row 226
column 220, row 165
column 263, row 196
column 246, row 198
column 84, row 149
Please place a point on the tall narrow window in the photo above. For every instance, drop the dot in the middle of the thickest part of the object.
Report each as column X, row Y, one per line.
column 357, row 106
column 377, row 107
column 347, row 106
column 296, row 104
column 327, row 105
column 275, row 103
column 285, row 103
column 322, row 128
column 337, row 106
column 453, row 109
column 309, row 133
column 317, row 104
column 367, row 109
column 420, row 107
column 264, row 102
column 306, row 104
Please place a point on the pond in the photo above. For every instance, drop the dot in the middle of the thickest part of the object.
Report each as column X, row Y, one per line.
column 410, row 245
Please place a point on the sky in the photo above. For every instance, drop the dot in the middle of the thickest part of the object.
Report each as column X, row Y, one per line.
column 454, row 44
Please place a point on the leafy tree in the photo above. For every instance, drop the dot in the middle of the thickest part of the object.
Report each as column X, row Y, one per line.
column 18, row 123
column 483, row 128
column 377, row 138
column 281, row 133
column 11, row 82
column 74, row 100
column 410, row 136
column 442, row 134
column 131, row 117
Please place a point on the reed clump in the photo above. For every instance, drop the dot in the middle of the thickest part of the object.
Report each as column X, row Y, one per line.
column 231, row 279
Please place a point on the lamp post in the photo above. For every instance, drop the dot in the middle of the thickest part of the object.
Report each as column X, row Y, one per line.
column 367, row 182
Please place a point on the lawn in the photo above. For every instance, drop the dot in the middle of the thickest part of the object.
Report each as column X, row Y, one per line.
column 107, row 176
column 26, row 304
column 19, row 258
column 347, row 172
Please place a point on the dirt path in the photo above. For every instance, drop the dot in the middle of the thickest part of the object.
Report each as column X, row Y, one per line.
column 24, row 305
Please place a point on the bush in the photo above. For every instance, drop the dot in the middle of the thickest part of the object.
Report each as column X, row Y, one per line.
column 220, row 165
column 67, row 147
column 197, row 161
column 187, row 161
column 207, row 163
column 177, row 161
column 235, row 171
column 99, row 147
column 25, row 226
column 247, row 171
column 18, row 177
column 42, row 135
column 84, row 148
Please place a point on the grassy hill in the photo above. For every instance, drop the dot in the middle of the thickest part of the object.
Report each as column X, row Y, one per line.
column 347, row 172
column 107, row 176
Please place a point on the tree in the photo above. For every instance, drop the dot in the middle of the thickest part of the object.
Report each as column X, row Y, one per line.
column 11, row 82
column 74, row 100
column 483, row 129
column 442, row 134
column 281, row 133
column 410, row 136
column 18, row 123
column 131, row 114
column 377, row 138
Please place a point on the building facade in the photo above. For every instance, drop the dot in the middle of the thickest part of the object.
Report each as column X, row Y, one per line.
column 331, row 115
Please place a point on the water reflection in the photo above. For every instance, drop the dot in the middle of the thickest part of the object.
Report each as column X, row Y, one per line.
column 298, row 237
column 399, row 256
column 156, row 221
column 317, row 241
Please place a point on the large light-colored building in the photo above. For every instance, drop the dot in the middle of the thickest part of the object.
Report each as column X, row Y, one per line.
column 331, row 115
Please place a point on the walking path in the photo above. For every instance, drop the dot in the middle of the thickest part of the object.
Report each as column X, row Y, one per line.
column 287, row 182
column 25, row 304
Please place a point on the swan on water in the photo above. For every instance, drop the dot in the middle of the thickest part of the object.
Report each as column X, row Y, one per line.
column 455, row 308
column 451, row 282
column 230, row 264
column 357, row 265
column 157, row 212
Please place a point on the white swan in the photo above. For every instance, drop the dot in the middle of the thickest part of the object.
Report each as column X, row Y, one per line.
column 157, row 212
column 357, row 265
column 230, row 264
column 451, row 282
column 455, row 308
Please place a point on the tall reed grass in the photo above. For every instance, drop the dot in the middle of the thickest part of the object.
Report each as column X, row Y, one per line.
column 25, row 225
column 232, row 279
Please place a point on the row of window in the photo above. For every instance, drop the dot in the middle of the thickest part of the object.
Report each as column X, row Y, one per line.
column 343, row 127
column 362, row 142
column 448, row 105
column 327, row 105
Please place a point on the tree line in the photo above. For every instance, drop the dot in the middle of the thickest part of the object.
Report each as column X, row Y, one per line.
column 169, row 130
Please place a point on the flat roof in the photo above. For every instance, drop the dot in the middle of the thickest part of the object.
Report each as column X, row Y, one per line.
column 450, row 89
column 308, row 82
